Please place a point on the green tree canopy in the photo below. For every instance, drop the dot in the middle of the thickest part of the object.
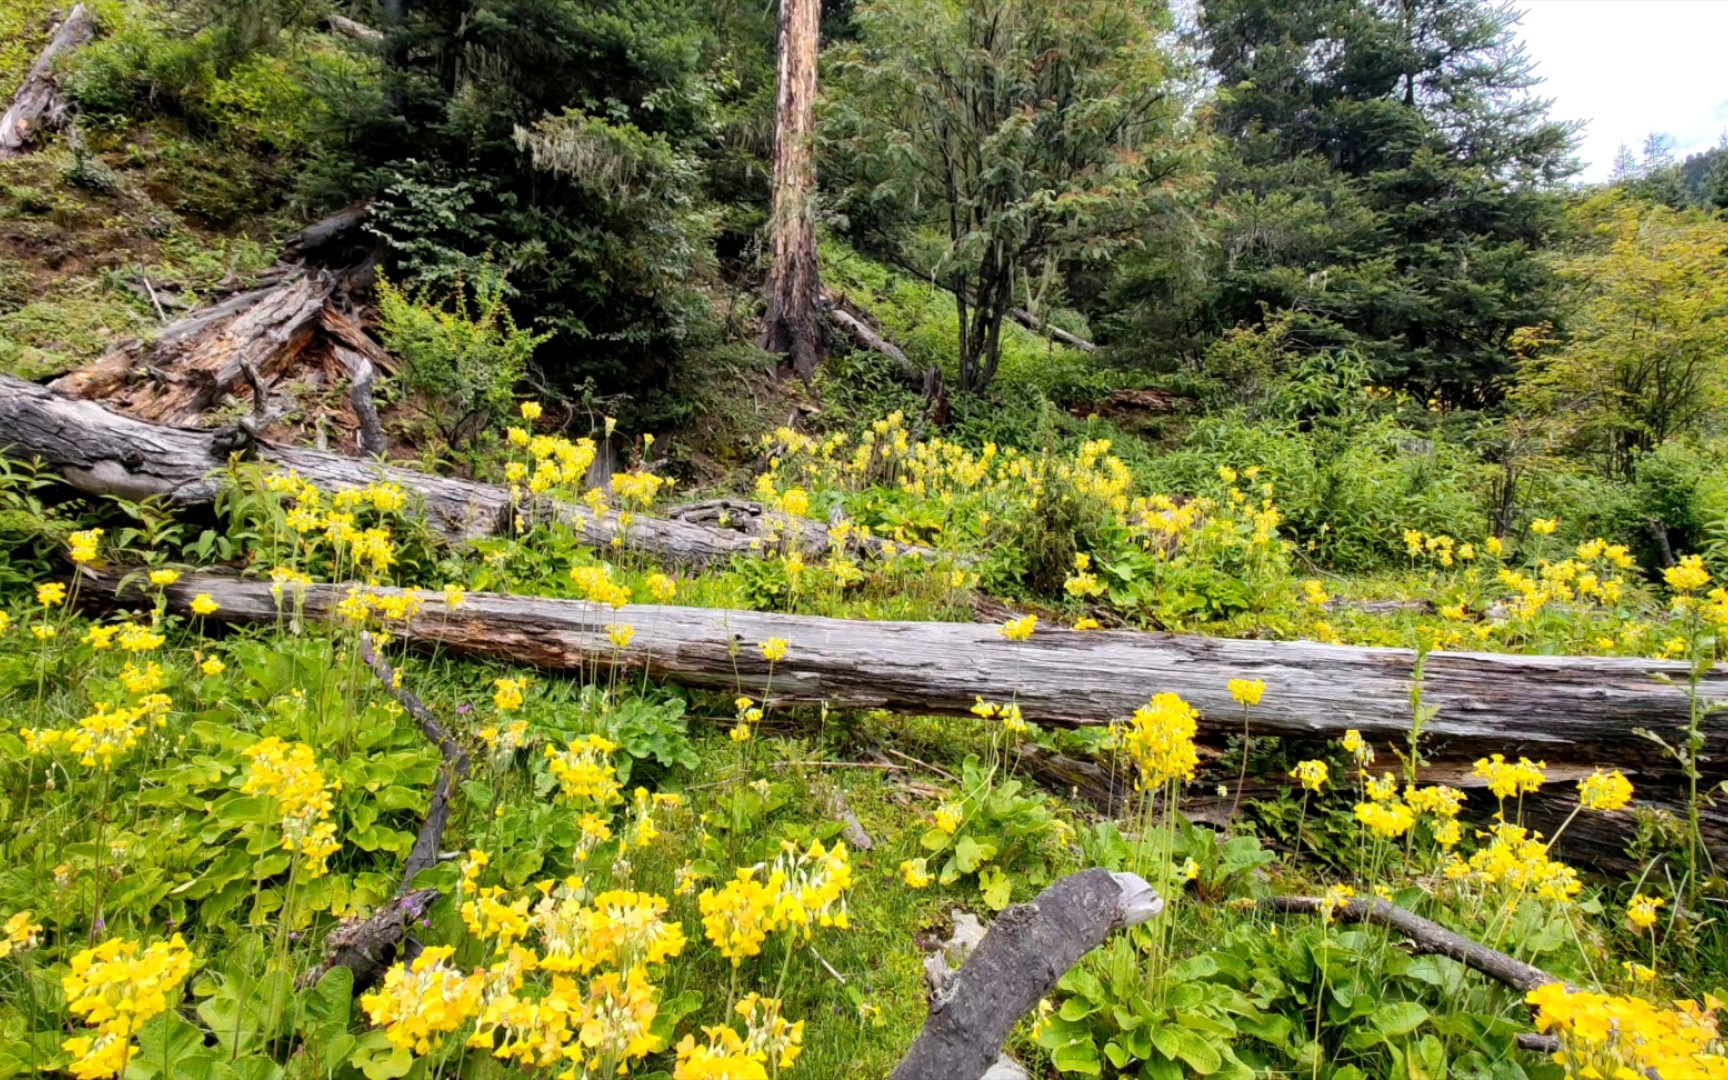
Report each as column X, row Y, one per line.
column 985, row 140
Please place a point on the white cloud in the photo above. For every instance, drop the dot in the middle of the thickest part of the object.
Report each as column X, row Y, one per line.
column 1631, row 67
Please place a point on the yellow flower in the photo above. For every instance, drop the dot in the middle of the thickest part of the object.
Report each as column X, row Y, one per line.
column 1437, row 799
column 1227, row 474
column 1544, row 526
column 115, row 987
column 19, row 934
column 620, row 634
column 1159, row 739
column 774, row 649
column 1313, row 593
column 212, row 666
column 1604, row 791
column 1494, row 546
column 289, row 774
column 1688, row 576
column 948, row 818
column 1506, row 780
column 662, row 588
column 1357, row 747
column 202, row 604
column 508, row 696
column 741, row 733
column 164, row 578
column 1086, row 624
column 1312, row 774
column 1189, row 870
column 916, row 873
column 419, row 1004
column 1447, row 834
column 84, row 545
column 1247, row 692
column 51, row 594
column 1641, row 911
column 1336, row 897
column 1388, row 820
column 1018, row 629
column 531, row 410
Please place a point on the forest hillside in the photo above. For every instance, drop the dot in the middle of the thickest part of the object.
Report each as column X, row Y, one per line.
column 917, row 538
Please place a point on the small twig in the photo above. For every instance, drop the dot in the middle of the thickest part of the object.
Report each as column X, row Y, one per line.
column 151, row 291
column 826, row 965
column 938, row 770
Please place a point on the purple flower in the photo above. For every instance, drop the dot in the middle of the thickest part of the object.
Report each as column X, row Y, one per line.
column 463, row 710
column 101, row 924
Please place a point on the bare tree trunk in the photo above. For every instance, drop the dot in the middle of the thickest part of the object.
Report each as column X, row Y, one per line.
column 38, row 106
column 793, row 325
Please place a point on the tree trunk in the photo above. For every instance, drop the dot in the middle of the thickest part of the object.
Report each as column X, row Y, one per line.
column 103, row 453
column 793, row 325
column 38, row 106
column 1580, row 710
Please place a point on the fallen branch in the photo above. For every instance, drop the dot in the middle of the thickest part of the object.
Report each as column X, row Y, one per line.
column 424, row 854
column 1425, row 936
column 368, row 946
column 1574, row 710
column 362, row 373
column 1028, row 949
column 1429, row 937
column 104, row 453
column 1055, row 333
column 38, row 105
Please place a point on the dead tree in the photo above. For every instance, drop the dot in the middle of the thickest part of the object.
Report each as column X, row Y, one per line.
column 38, row 105
column 793, row 324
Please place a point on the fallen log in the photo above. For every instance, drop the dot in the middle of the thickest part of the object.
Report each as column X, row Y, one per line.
column 1026, row 951
column 1054, row 333
column 38, row 105
column 104, row 453
column 1578, row 710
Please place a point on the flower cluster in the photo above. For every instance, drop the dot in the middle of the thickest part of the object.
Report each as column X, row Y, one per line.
column 1603, row 1035
column 115, row 987
column 289, row 774
column 584, row 772
column 803, row 889
column 1159, row 740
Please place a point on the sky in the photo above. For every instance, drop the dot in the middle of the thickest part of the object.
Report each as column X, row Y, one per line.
column 1630, row 67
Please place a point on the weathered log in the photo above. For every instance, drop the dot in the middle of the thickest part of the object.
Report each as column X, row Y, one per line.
column 1054, row 333
column 1580, row 710
column 38, row 105
column 861, row 332
column 368, row 946
column 1020, row 960
column 103, row 453
column 362, row 373
column 357, row 31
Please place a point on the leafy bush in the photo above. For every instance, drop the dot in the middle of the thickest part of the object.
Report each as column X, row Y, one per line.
column 463, row 353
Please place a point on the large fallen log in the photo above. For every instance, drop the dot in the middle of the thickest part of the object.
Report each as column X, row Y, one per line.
column 1580, row 710
column 103, row 453
column 38, row 105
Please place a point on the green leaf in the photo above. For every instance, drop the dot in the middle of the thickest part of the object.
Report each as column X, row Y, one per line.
column 1398, row 1018
column 1078, row 1057
column 998, row 888
column 1193, row 1050
column 968, row 854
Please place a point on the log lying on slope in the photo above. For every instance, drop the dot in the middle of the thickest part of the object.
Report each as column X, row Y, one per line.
column 103, row 453
column 1577, row 709
column 38, row 105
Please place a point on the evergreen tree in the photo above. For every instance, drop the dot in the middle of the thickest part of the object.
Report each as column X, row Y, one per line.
column 1382, row 165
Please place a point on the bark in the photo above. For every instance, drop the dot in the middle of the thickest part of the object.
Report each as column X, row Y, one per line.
column 1582, row 711
column 102, row 453
column 362, row 373
column 1028, row 949
column 368, row 946
column 38, row 105
column 793, row 324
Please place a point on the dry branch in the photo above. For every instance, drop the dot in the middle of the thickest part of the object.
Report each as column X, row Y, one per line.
column 1577, row 710
column 1020, row 960
column 1054, row 333
column 38, row 105
column 1424, row 935
column 348, row 28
